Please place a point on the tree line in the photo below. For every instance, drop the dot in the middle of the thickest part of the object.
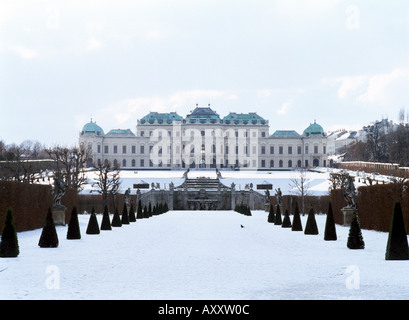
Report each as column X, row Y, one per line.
column 387, row 146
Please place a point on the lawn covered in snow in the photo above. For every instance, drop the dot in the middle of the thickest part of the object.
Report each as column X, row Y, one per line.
column 203, row 255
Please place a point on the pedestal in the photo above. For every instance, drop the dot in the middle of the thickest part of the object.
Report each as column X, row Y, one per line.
column 348, row 214
column 59, row 215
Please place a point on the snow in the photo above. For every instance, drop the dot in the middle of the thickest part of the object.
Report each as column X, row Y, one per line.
column 203, row 255
column 318, row 179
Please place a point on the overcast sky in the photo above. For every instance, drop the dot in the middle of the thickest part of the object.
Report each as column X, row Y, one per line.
column 341, row 63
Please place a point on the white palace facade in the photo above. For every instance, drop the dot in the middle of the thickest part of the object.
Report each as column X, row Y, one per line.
column 203, row 139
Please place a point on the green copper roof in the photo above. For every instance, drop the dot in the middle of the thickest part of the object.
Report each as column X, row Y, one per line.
column 285, row 134
column 165, row 118
column 314, row 129
column 245, row 118
column 120, row 132
column 92, row 128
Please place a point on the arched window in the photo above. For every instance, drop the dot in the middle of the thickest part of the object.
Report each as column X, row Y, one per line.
column 290, row 163
column 271, row 163
column 124, row 163
column 133, row 163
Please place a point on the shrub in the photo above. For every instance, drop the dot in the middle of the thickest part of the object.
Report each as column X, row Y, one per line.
column 125, row 217
column 277, row 219
column 73, row 232
column 132, row 217
column 106, row 223
column 286, row 222
column 9, row 243
column 270, row 218
column 116, row 219
column 139, row 212
column 92, row 227
column 397, row 246
column 311, row 225
column 330, row 233
column 297, row 226
column 49, row 237
column 355, row 239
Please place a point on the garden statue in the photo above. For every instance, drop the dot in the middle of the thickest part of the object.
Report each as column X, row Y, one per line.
column 59, row 190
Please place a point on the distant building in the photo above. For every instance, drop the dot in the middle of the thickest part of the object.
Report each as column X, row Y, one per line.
column 203, row 139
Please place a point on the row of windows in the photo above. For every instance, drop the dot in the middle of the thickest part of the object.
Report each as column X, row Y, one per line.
column 213, row 149
column 271, row 163
column 245, row 134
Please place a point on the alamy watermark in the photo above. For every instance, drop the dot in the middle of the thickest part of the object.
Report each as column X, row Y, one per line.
column 52, row 281
column 352, row 282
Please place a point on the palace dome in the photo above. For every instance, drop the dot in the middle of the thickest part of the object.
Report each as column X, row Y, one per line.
column 92, row 128
column 314, row 129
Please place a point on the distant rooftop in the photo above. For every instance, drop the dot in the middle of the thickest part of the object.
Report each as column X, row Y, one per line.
column 165, row 118
column 286, row 134
column 245, row 118
column 120, row 132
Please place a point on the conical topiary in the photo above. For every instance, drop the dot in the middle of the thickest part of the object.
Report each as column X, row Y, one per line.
column 355, row 239
column 106, row 223
column 92, row 227
column 277, row 219
column 9, row 242
column 150, row 210
column 286, row 221
column 132, row 217
column 145, row 213
column 330, row 233
column 311, row 225
column 49, row 237
column 397, row 246
column 270, row 218
column 116, row 219
column 74, row 232
column 139, row 211
column 125, row 216
column 297, row 225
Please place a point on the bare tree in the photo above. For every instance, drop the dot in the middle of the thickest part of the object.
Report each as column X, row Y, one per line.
column 107, row 181
column 301, row 183
column 71, row 163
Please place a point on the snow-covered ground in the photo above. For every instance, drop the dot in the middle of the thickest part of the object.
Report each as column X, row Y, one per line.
column 203, row 255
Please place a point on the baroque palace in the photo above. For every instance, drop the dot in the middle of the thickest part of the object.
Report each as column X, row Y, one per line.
column 203, row 139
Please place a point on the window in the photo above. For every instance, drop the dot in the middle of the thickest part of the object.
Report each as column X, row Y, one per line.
column 263, row 134
column 115, row 149
column 280, row 150
column 271, row 149
column 106, row 149
column 142, row 162
column 324, row 149
column 263, row 163
column 280, row 163
column 124, row 149
column 99, row 148
column 315, row 149
column 133, row 149
column 142, row 149
column 133, row 163
column 271, row 163
column 290, row 164
column 290, row 150
column 142, row 133
column 124, row 163
column 306, row 149
column 226, row 150
column 263, row 149
column 299, row 150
